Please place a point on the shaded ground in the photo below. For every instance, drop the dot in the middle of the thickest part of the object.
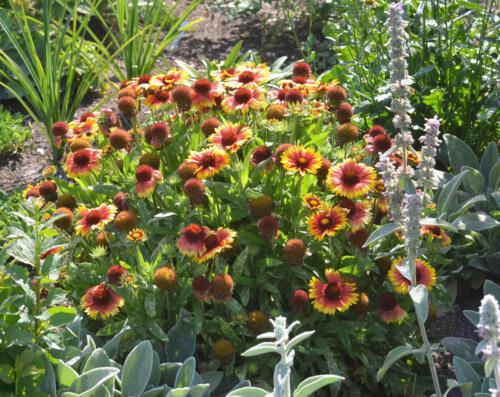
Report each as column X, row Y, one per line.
column 213, row 38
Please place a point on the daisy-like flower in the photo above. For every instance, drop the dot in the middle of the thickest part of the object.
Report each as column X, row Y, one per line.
column 248, row 74
column 230, row 136
column 312, row 201
column 192, row 240
column 101, row 302
column 208, row 162
column 158, row 98
column 82, row 162
column 426, row 275
column 168, row 80
column 437, row 233
column 389, row 309
column 137, row 235
column 244, row 98
column 359, row 214
column 334, row 295
column 350, row 179
column 94, row 218
column 301, row 159
column 204, row 93
column 87, row 127
column 147, row 178
column 327, row 222
column 215, row 243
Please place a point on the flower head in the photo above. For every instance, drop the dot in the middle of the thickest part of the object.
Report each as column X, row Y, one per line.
column 215, row 243
column 312, row 201
column 243, row 99
column 210, row 125
column 350, row 179
column 201, row 288
column 116, row 274
column 301, row 160
column 359, row 213
column 334, row 295
column 146, row 179
column 158, row 134
column 82, row 162
column 327, row 222
column 389, row 309
column 221, row 287
column 95, row 218
column 136, row 235
column 380, row 143
column 209, row 162
column 165, row 278
column 426, row 275
column 192, row 240
column 230, row 136
column 101, row 301
column 204, row 93
column 299, row 301
column 437, row 233
column 268, row 226
column 295, row 250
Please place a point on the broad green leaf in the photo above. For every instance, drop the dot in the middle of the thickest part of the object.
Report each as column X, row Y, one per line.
column 460, row 154
column 185, row 374
column 382, row 232
column 299, row 338
column 229, row 62
column 199, row 390
column 477, row 221
column 137, row 369
column 261, row 348
column 465, row 373
column 464, row 206
column 248, row 392
column 489, row 159
column 474, row 182
column 181, row 338
column 393, row 356
column 420, row 298
column 494, row 177
column 86, row 383
column 492, row 288
column 452, row 384
column 310, row 385
column 159, row 391
column 182, row 392
column 61, row 315
column 472, row 316
column 66, row 375
column 97, row 359
column 7, row 374
column 437, row 222
column 447, row 194
column 461, row 347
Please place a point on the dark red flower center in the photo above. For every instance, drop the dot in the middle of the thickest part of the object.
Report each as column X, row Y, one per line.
column 101, row 295
column 350, row 177
column 208, row 161
column 93, row 217
column 300, row 79
column 382, row 143
column 387, row 302
column 81, row 158
column 211, row 242
column 144, row 79
column 194, row 233
column 144, row 173
column 242, row 95
column 228, row 137
column 281, row 95
column 246, row 77
column 162, row 96
column 159, row 130
column 202, row 87
column 294, row 96
column 201, row 284
column 434, row 230
column 333, row 291
column 260, row 154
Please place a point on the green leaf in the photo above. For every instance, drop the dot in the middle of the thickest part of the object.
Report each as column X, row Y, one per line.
column 465, row 373
column 460, row 154
column 89, row 381
column 229, row 62
column 97, row 359
column 185, row 375
column 66, row 375
column 492, row 288
column 261, row 348
column 452, row 384
column 447, row 194
column 310, row 385
column 7, row 374
column 181, row 338
column 437, row 222
column 61, row 315
column 477, row 221
column 393, row 356
column 382, row 232
column 199, row 390
column 137, row 369
column 472, row 316
column 248, row 392
column 474, row 182
column 461, row 347
column 489, row 159
column 494, row 177
column 299, row 338
column 183, row 392
column 159, row 391
column 420, row 298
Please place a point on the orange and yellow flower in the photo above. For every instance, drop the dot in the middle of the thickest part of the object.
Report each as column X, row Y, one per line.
column 230, row 136
column 192, row 240
column 312, row 201
column 168, row 80
column 426, row 275
column 359, row 213
column 334, row 295
column 208, row 162
column 389, row 309
column 205, row 93
column 158, row 98
column 300, row 159
column 101, row 302
column 146, row 179
column 82, row 162
column 327, row 222
column 437, row 233
column 215, row 243
column 244, row 98
column 137, row 235
column 350, row 179
column 94, row 218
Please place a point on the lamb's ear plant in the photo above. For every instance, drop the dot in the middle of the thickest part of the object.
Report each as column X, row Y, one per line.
column 283, row 345
column 477, row 364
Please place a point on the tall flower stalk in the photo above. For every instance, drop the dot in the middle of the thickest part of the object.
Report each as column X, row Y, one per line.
column 430, row 142
column 489, row 330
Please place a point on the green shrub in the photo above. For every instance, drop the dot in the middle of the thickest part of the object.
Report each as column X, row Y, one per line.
column 12, row 132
